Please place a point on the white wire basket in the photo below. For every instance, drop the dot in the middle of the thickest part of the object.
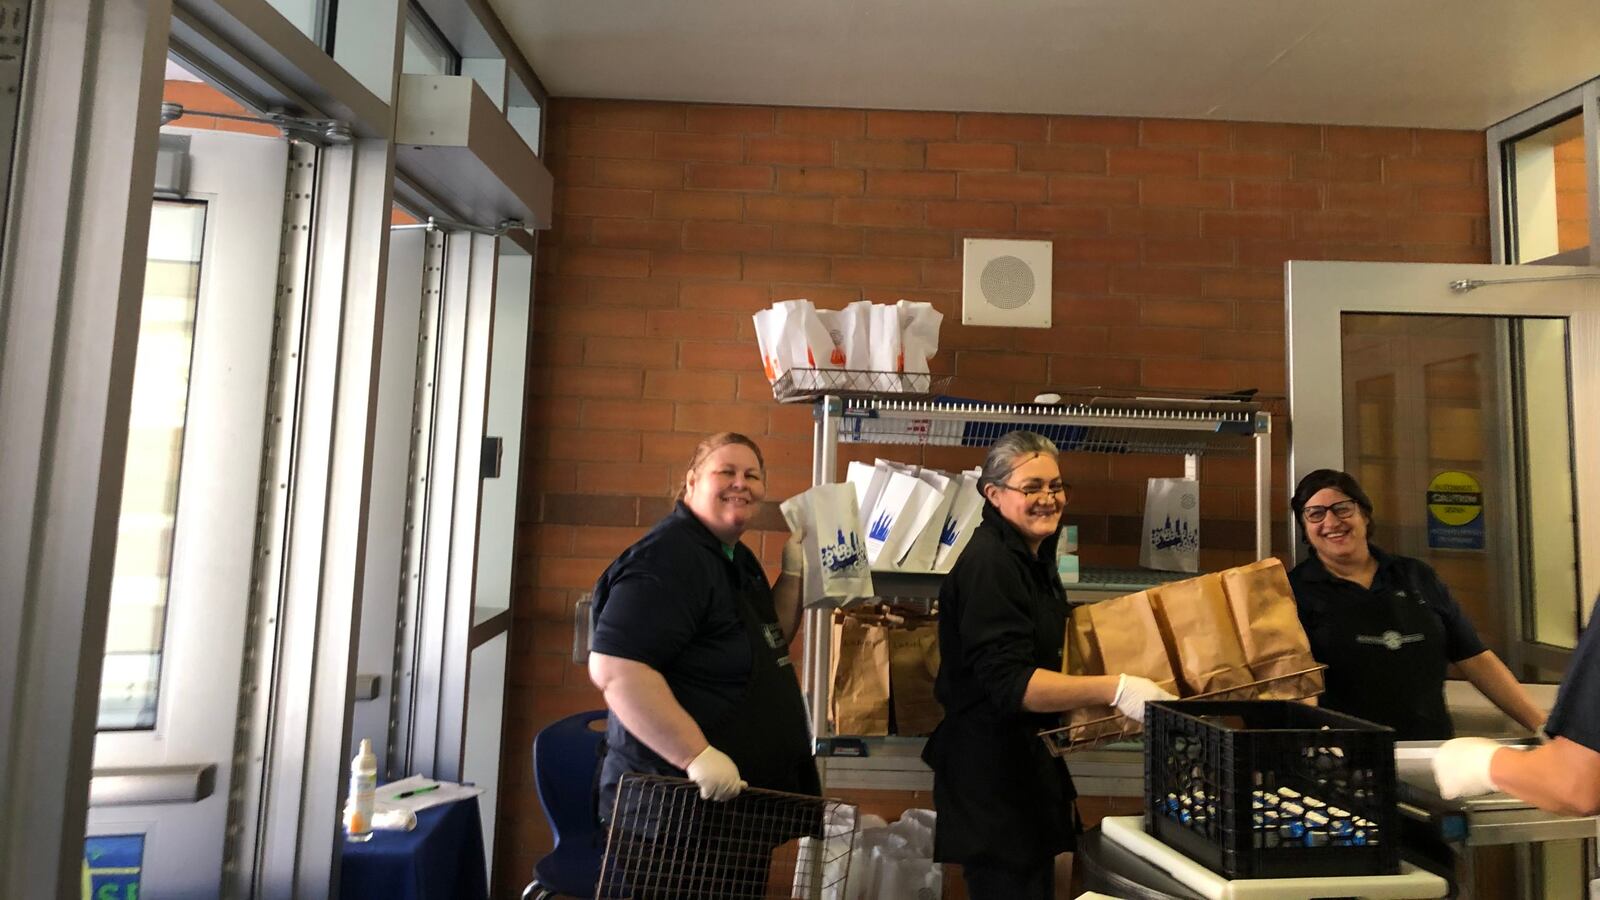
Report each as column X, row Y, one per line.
column 665, row 843
column 804, row 385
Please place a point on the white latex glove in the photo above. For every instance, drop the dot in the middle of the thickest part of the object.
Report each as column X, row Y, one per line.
column 716, row 774
column 794, row 555
column 1461, row 767
column 1134, row 692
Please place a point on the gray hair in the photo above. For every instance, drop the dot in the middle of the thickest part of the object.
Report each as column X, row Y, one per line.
column 1012, row 450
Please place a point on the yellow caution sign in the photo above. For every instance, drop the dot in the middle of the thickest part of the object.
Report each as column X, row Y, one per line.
column 1455, row 512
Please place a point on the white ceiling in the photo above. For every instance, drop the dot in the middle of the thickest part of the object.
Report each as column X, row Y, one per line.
column 1426, row 63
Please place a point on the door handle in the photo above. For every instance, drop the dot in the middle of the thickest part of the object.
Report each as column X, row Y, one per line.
column 141, row 785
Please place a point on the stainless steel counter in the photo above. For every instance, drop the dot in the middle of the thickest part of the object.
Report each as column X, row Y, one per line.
column 1477, row 821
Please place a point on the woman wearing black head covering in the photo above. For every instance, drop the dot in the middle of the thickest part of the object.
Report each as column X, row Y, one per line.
column 1385, row 625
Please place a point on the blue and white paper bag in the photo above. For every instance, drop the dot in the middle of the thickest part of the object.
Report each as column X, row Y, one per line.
column 836, row 567
column 1171, row 525
column 966, row 510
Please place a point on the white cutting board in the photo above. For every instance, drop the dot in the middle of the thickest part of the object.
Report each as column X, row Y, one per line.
column 1128, row 833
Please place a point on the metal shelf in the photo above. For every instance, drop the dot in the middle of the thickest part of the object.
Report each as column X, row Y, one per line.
column 1087, row 420
column 1092, row 424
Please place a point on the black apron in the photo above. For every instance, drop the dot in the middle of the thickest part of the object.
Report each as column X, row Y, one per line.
column 1387, row 662
column 766, row 733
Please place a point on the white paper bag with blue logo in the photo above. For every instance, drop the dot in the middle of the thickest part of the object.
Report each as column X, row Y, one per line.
column 924, row 547
column 966, row 510
column 836, row 568
column 896, row 519
column 1171, row 525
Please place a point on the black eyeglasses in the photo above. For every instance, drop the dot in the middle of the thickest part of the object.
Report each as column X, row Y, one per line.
column 1034, row 492
column 1344, row 509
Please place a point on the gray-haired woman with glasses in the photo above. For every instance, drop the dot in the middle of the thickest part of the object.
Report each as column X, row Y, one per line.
column 1005, row 804
column 1385, row 625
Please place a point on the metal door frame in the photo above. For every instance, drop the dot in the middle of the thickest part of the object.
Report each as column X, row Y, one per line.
column 215, row 524
column 1316, row 398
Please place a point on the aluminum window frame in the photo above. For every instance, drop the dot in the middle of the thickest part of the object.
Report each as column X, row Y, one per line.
column 417, row 17
column 1583, row 100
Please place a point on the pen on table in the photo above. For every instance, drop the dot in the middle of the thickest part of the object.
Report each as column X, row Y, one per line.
column 415, row 791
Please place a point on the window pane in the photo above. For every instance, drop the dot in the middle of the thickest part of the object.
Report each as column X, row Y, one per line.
column 306, row 15
column 1549, row 191
column 142, row 572
column 424, row 52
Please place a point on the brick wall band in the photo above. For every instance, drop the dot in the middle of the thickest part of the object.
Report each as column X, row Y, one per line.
column 675, row 222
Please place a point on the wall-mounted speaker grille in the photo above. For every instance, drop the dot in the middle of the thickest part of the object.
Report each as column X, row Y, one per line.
column 1006, row 283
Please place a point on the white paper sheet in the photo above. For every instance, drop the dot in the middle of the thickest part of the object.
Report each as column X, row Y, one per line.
column 418, row 793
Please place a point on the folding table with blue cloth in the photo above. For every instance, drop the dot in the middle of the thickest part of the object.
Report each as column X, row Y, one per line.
column 441, row 859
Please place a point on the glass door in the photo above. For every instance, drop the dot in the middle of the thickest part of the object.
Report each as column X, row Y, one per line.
column 170, row 696
column 1464, row 398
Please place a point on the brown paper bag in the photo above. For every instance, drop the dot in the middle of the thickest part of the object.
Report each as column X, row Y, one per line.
column 1130, row 641
column 1269, row 629
column 1198, row 630
column 913, row 665
column 861, row 679
column 1127, row 640
column 1083, row 658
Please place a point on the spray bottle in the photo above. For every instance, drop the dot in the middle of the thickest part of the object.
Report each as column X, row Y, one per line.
column 363, row 781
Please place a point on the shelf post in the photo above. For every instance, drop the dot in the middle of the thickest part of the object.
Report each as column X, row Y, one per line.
column 1263, row 442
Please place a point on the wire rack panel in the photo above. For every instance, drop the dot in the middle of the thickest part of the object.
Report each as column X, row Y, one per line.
column 801, row 385
column 1300, row 685
column 665, row 843
column 1100, row 426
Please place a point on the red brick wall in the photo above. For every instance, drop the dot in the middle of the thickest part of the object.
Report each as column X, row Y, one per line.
column 1572, row 195
column 676, row 222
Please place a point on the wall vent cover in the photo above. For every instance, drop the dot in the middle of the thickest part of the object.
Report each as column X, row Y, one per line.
column 1006, row 283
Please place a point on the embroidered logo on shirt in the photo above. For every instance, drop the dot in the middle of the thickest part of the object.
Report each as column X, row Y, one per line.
column 1392, row 640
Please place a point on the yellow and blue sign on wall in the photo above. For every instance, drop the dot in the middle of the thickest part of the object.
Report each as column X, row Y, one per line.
column 111, row 866
column 1455, row 512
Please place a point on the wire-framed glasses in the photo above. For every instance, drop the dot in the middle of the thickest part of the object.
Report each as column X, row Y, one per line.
column 1344, row 509
column 1034, row 491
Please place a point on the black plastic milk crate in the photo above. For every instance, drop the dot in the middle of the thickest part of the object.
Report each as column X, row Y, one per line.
column 1271, row 788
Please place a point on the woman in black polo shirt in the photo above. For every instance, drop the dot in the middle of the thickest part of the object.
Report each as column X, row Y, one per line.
column 1385, row 625
column 691, row 648
column 691, row 645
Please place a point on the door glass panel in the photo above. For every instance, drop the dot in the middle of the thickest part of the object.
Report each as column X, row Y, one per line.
column 1550, row 191
column 1458, row 428
column 1547, row 466
column 141, row 576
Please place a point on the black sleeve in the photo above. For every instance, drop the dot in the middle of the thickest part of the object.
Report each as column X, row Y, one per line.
column 997, row 629
column 1576, row 715
column 649, row 616
column 1461, row 640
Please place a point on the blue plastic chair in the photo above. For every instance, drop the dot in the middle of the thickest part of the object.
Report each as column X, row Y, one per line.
column 566, row 757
